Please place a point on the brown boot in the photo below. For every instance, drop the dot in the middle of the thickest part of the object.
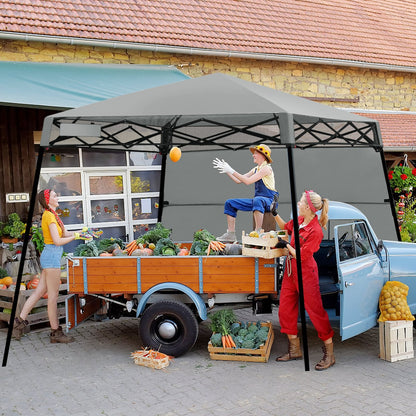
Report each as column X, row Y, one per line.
column 294, row 351
column 19, row 327
column 328, row 359
column 57, row 336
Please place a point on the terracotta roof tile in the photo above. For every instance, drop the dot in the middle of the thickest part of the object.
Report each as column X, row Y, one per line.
column 376, row 31
column 397, row 129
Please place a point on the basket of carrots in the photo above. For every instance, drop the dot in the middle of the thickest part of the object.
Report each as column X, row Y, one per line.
column 150, row 358
column 239, row 341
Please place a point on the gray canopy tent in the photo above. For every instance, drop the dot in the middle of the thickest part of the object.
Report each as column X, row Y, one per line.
column 213, row 112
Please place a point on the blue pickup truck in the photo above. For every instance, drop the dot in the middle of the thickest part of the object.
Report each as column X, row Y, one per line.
column 354, row 265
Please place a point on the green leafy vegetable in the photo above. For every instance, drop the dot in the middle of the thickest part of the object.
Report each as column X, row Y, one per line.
column 202, row 238
column 222, row 320
column 154, row 235
column 88, row 249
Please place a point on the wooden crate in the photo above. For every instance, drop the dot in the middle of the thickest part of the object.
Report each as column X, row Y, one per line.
column 264, row 246
column 396, row 340
column 39, row 313
column 260, row 355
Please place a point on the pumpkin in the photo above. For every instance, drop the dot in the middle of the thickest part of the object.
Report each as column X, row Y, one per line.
column 175, row 154
column 183, row 252
column 6, row 281
column 106, row 254
column 33, row 284
column 140, row 252
column 119, row 252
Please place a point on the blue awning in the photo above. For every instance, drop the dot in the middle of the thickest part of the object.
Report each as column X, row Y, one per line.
column 64, row 86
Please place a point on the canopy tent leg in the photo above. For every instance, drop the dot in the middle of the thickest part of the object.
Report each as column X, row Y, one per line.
column 298, row 261
column 391, row 197
column 23, row 256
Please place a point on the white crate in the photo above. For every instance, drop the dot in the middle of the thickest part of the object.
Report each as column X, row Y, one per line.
column 396, row 340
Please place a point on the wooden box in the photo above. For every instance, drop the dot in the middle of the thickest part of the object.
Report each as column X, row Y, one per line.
column 396, row 340
column 263, row 246
column 260, row 355
column 39, row 313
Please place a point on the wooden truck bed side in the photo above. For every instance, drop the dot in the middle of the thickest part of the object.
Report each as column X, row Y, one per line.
column 202, row 274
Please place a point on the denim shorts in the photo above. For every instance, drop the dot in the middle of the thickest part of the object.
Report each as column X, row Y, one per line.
column 50, row 257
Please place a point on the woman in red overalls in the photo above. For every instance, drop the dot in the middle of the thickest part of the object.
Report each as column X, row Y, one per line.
column 310, row 236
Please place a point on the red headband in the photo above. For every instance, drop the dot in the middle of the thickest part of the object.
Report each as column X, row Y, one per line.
column 308, row 198
column 47, row 195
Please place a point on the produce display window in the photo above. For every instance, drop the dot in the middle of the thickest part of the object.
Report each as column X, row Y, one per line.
column 71, row 212
column 64, row 184
column 95, row 158
column 145, row 159
column 104, row 185
column 117, row 192
column 61, row 159
column 144, row 181
column 145, row 208
column 107, row 210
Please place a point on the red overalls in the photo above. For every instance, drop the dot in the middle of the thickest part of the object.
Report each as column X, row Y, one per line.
column 310, row 237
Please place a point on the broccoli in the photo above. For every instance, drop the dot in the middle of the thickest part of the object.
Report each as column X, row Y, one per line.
column 216, row 340
column 261, row 336
column 235, row 327
column 166, row 247
column 248, row 343
column 250, row 336
column 243, row 332
column 253, row 328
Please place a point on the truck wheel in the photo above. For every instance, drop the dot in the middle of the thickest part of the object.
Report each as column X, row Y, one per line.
column 169, row 327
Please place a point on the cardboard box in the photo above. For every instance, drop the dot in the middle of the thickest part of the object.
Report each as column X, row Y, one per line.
column 396, row 340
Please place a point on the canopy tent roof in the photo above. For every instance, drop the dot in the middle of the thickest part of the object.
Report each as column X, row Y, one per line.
column 211, row 112
column 62, row 86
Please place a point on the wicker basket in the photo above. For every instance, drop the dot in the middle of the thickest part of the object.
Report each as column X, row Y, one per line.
column 150, row 358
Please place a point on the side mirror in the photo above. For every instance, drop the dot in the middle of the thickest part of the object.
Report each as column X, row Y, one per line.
column 380, row 246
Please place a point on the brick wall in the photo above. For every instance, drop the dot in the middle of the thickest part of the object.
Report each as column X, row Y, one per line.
column 345, row 87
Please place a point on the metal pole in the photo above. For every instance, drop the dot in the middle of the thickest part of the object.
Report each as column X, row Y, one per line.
column 298, row 261
column 23, row 256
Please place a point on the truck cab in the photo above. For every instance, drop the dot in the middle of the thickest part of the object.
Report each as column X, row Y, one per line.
column 354, row 265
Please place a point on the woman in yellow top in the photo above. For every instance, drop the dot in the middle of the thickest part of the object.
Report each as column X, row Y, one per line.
column 55, row 237
column 264, row 194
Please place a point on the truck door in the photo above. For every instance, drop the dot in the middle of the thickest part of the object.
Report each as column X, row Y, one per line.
column 361, row 277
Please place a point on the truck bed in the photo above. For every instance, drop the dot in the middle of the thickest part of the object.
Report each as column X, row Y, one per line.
column 202, row 274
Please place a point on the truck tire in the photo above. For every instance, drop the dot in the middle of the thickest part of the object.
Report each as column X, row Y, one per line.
column 170, row 327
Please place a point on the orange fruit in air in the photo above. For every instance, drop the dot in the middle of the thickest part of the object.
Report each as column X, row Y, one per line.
column 175, row 154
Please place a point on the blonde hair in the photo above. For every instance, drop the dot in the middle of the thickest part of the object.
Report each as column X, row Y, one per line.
column 320, row 204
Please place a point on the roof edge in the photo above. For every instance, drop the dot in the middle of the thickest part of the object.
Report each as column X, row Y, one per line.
column 201, row 51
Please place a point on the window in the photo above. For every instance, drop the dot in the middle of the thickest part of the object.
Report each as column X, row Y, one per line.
column 117, row 192
column 354, row 241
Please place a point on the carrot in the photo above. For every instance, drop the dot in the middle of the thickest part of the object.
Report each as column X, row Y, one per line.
column 208, row 249
column 224, row 341
column 131, row 244
column 231, row 341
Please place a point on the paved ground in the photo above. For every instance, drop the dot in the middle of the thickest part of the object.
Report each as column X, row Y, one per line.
column 96, row 376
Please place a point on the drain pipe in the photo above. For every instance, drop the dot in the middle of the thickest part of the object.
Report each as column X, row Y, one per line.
column 201, row 51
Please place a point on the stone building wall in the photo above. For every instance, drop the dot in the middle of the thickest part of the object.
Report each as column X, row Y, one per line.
column 346, row 87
